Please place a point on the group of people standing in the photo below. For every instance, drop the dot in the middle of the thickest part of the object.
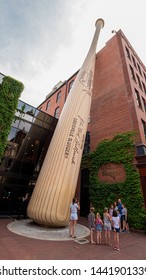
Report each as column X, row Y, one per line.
column 114, row 219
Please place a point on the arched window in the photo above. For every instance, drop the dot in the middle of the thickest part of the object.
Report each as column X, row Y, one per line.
column 48, row 105
column 56, row 113
column 58, row 96
column 70, row 86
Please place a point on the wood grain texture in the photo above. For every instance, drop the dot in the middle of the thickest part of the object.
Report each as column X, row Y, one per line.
column 56, row 184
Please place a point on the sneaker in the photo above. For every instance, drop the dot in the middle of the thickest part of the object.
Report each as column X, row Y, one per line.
column 115, row 248
column 118, row 249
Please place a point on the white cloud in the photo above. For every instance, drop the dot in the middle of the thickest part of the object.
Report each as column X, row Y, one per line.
column 45, row 41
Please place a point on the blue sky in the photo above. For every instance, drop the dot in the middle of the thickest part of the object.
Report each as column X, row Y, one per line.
column 45, row 41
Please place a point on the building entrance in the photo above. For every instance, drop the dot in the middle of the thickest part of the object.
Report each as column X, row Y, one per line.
column 84, row 193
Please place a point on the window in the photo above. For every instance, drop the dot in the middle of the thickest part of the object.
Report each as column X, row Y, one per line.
column 144, row 104
column 56, row 113
column 144, row 127
column 128, row 53
column 139, row 69
column 139, row 82
column 87, row 143
column 13, row 132
column 138, row 98
column 58, row 96
column 134, row 62
column 48, row 105
column 144, row 87
column 132, row 73
column 70, row 86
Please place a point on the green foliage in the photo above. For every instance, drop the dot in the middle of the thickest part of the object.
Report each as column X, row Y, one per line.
column 10, row 91
column 118, row 150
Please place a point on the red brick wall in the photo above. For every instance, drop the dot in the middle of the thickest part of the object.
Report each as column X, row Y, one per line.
column 53, row 103
column 112, row 110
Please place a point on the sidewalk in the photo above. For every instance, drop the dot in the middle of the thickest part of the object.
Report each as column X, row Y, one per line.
column 16, row 247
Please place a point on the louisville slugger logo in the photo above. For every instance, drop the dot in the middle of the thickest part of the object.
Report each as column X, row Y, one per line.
column 86, row 78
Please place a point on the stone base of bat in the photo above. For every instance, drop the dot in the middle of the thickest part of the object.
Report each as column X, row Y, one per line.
column 30, row 229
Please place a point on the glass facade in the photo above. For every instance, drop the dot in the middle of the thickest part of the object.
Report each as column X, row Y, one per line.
column 1, row 77
column 27, row 144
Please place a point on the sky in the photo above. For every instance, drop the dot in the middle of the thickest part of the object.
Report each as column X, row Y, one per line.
column 43, row 42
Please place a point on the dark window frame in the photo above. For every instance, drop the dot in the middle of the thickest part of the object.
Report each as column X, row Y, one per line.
column 132, row 73
column 144, row 127
column 138, row 98
column 127, row 52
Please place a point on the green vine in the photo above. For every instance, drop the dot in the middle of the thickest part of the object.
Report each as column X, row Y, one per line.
column 10, row 90
column 118, row 150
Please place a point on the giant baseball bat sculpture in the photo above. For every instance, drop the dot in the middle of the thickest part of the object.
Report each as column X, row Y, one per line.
column 56, row 184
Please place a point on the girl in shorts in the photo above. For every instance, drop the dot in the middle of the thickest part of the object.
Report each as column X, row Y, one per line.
column 99, row 225
column 74, row 207
column 116, row 229
column 107, row 226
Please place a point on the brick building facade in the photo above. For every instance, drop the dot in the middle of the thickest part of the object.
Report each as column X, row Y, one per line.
column 119, row 94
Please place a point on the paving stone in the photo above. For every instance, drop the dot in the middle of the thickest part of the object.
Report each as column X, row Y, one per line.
column 14, row 246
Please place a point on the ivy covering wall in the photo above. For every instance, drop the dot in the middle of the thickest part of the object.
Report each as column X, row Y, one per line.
column 10, row 90
column 118, row 150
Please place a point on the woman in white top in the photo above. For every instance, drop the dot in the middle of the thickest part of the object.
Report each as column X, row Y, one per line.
column 116, row 229
column 74, row 207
